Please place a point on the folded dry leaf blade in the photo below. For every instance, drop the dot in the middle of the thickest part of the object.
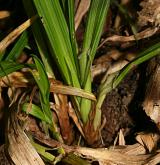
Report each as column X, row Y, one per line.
column 131, row 155
column 19, row 79
column 19, row 147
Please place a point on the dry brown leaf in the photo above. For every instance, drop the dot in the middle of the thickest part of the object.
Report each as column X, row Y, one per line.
column 121, row 138
column 81, row 11
column 106, row 156
column 105, row 63
column 155, row 160
column 100, row 155
column 4, row 14
column 141, row 35
column 15, row 33
column 130, row 155
column 19, row 147
column 151, row 104
column 69, row 90
column 135, row 149
column 148, row 140
column 76, row 3
column 74, row 117
column 16, row 79
column 62, row 111
column 24, row 79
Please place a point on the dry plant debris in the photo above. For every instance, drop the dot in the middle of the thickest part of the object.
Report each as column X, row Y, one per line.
column 150, row 13
column 148, row 140
column 14, row 34
column 19, row 146
column 4, row 14
column 133, row 155
column 115, row 107
column 81, row 11
column 151, row 104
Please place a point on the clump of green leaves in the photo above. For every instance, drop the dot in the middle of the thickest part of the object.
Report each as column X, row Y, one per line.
column 54, row 33
column 74, row 65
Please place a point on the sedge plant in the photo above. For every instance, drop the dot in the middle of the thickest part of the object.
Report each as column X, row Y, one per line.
column 54, row 35
column 56, row 21
column 55, row 39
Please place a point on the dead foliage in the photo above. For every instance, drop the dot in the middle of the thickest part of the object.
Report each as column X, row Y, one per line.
column 114, row 147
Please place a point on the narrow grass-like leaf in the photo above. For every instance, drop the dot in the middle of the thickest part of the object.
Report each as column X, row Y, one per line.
column 72, row 31
column 34, row 111
column 103, row 90
column 95, row 22
column 18, row 47
column 58, row 34
column 44, row 87
column 43, row 151
column 84, row 56
column 7, row 67
column 62, row 41
column 144, row 56
column 63, row 5
column 40, row 38
column 113, row 80
column 85, row 105
column 42, row 81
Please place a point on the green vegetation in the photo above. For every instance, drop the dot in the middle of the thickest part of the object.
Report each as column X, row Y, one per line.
column 55, row 48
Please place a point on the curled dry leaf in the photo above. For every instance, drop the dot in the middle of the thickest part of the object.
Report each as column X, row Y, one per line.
column 105, row 62
column 135, row 149
column 126, row 155
column 141, row 35
column 112, row 68
column 16, row 79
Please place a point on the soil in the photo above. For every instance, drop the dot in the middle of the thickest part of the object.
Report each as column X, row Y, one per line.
column 122, row 107
column 123, row 110
column 115, row 108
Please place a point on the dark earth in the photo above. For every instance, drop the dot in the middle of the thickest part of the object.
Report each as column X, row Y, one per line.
column 122, row 109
